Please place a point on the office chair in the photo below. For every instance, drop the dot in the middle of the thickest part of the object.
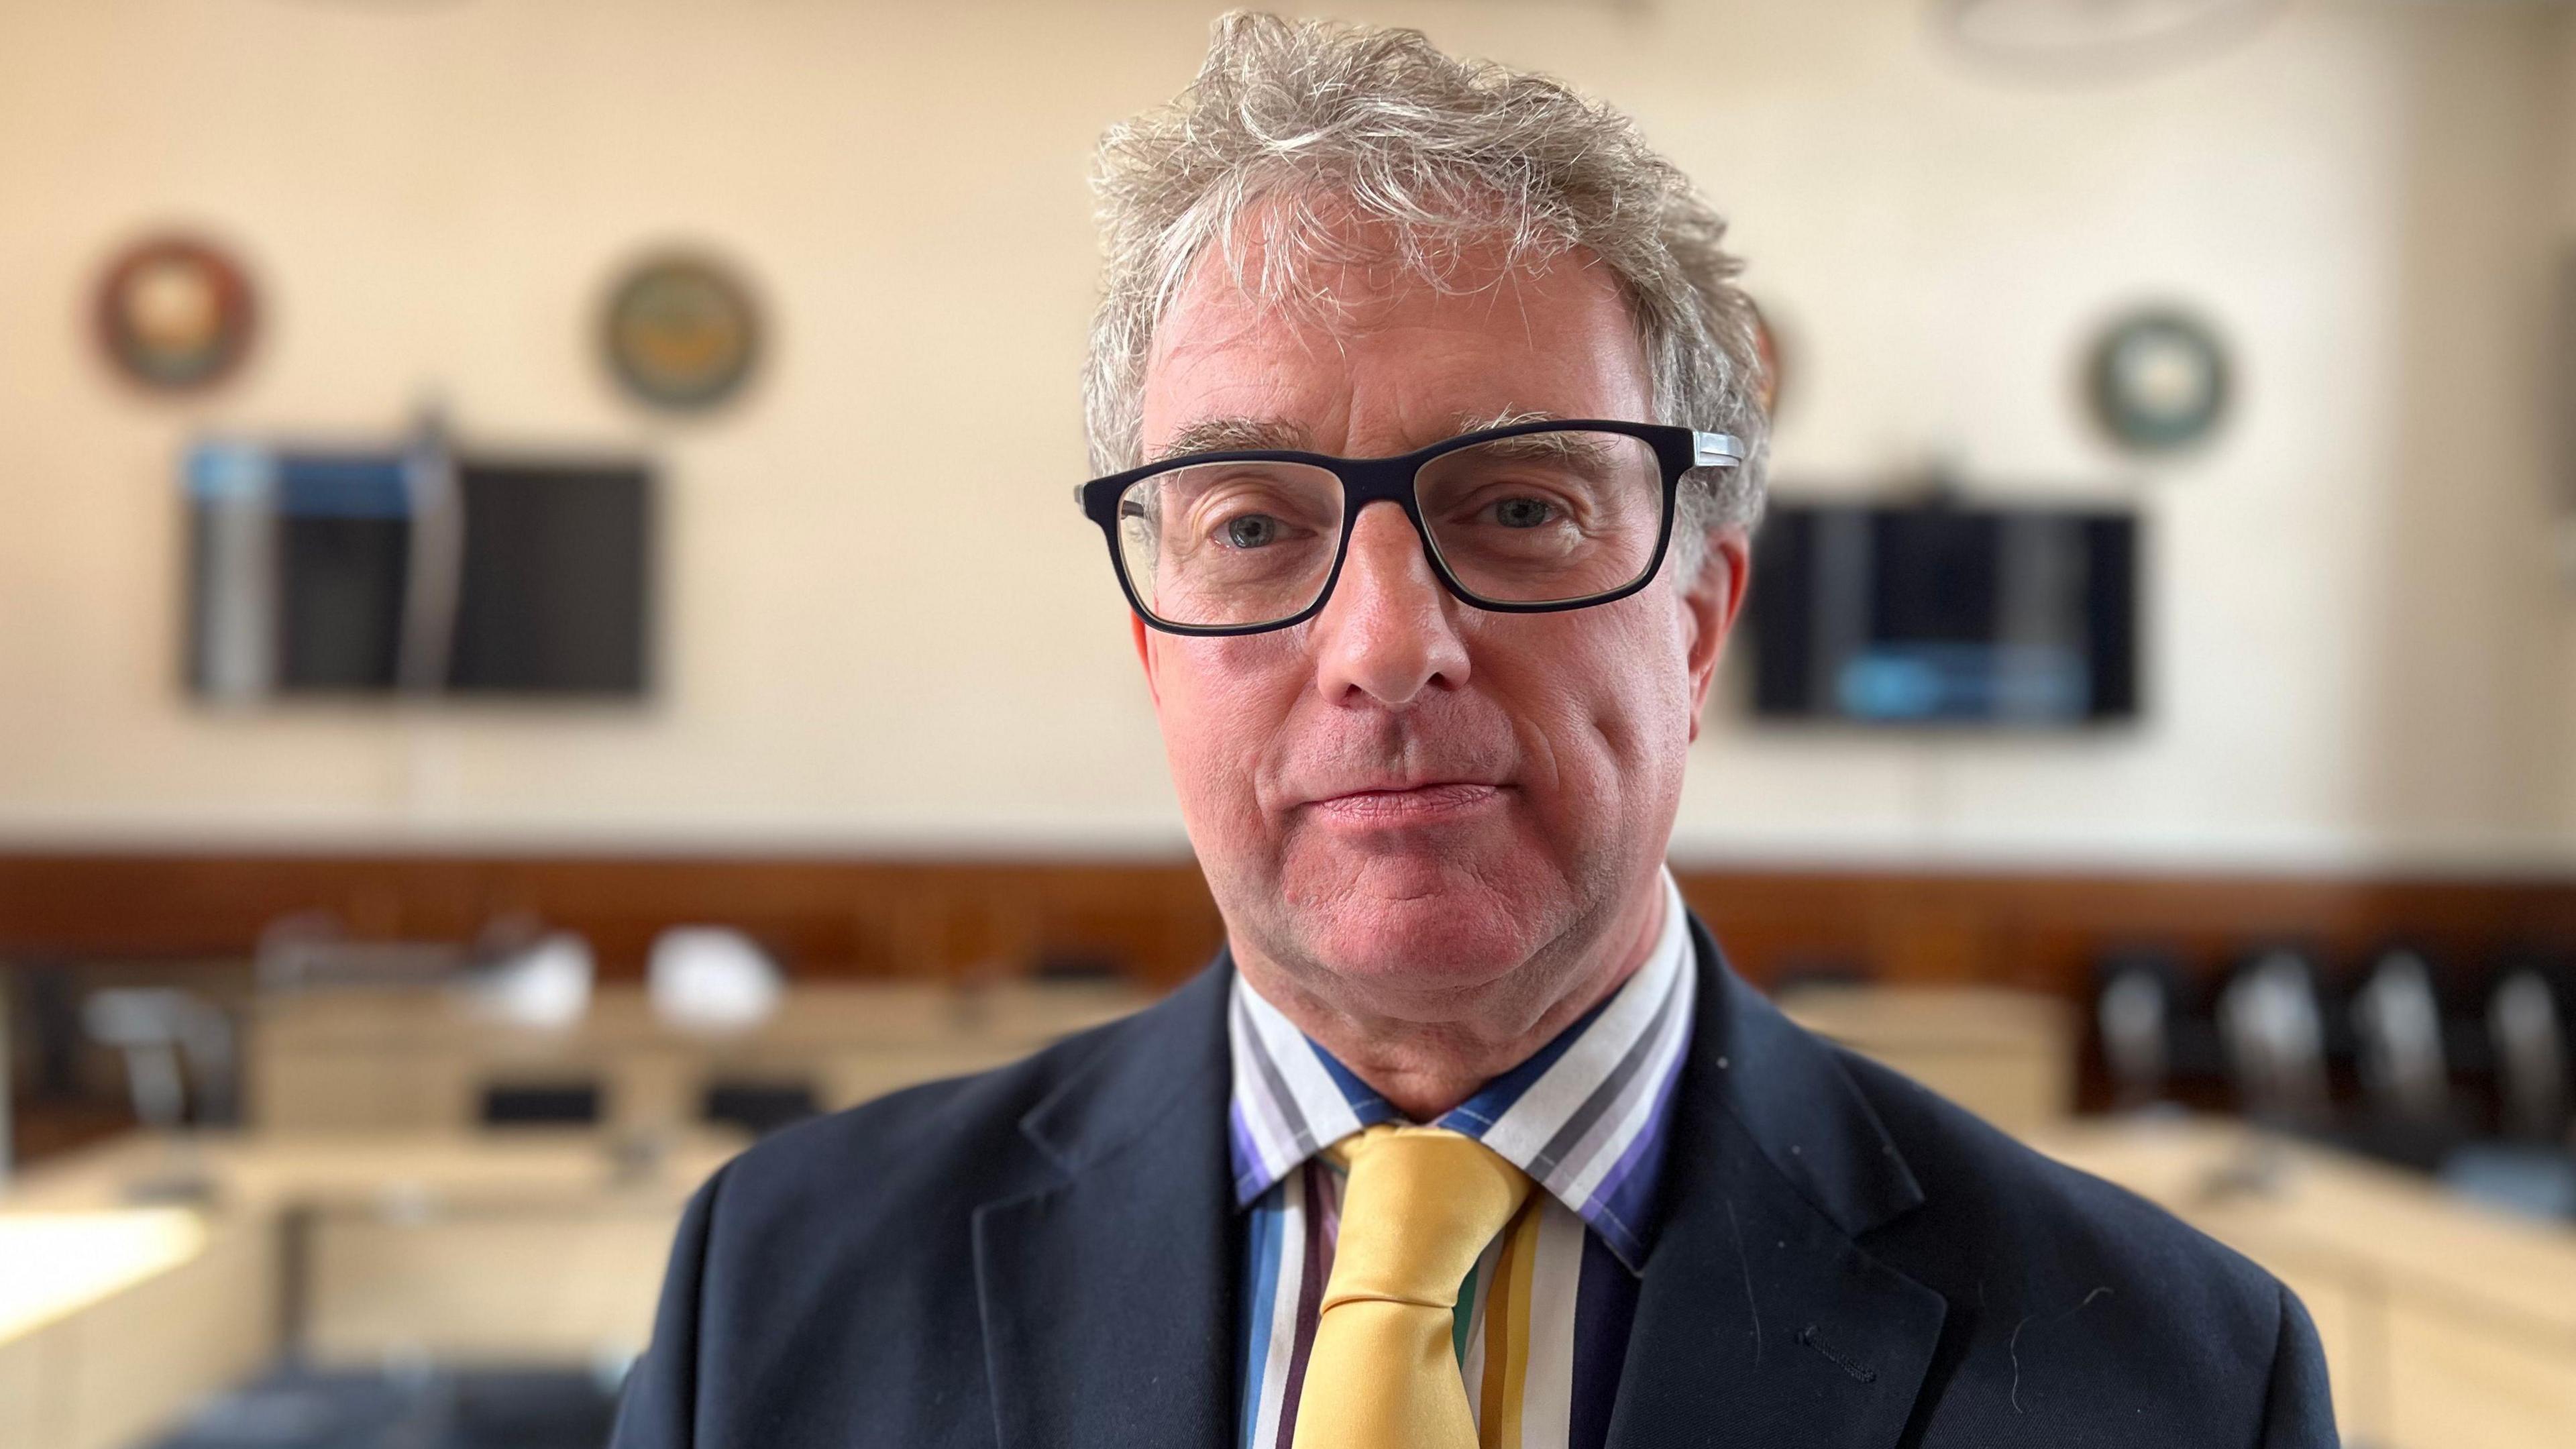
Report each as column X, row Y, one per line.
column 2530, row 1035
column 2137, row 1010
column 2274, row 1032
column 2413, row 1117
column 167, row 1038
column 2532, row 1168
column 712, row 980
column 2398, row 1023
column 539, row 984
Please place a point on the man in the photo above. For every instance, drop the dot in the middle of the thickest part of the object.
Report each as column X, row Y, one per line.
column 1425, row 409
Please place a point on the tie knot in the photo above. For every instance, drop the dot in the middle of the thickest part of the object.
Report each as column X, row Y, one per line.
column 1420, row 1205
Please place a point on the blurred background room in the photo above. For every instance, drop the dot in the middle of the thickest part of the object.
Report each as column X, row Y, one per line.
column 542, row 636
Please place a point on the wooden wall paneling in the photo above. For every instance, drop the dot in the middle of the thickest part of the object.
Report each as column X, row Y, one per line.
column 2043, row 931
column 1154, row 919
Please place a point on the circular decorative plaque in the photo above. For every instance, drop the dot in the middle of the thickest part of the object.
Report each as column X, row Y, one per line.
column 175, row 314
column 2158, row 380
column 681, row 333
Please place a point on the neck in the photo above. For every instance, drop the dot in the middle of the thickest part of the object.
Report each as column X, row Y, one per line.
column 1428, row 1061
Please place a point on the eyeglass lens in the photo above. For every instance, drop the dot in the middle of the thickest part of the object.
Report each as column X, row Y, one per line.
column 1535, row 518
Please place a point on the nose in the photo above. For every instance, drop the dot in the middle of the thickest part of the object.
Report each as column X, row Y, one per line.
column 1387, row 633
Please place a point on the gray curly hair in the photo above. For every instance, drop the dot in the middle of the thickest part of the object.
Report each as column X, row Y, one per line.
column 1309, row 124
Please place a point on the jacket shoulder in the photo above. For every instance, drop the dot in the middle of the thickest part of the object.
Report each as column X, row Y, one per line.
column 1981, row 1183
column 950, row 1140
column 2069, row 1296
column 825, row 1276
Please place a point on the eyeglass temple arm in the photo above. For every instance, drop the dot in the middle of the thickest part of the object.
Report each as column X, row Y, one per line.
column 1716, row 450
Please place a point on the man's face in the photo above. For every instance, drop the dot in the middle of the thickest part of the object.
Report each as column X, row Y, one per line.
column 1408, row 801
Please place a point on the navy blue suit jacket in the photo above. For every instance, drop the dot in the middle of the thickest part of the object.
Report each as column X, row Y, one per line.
column 1049, row 1255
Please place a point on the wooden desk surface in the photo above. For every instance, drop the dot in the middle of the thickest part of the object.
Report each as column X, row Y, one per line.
column 622, row 1016
column 569, row 1169
column 2278, row 1199
column 2444, row 1323
column 61, row 1262
column 113, row 1322
column 521, row 1247
column 419, row 1059
column 2007, row 1056
column 1959, row 1017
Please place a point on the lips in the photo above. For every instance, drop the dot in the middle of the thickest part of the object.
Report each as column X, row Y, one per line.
column 1422, row 803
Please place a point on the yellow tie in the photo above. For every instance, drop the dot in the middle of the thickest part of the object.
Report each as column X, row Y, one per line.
column 1420, row 1205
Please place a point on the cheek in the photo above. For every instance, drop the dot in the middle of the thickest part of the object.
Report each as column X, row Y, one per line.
column 1222, row 701
column 1608, row 709
column 1606, row 728
column 1649, row 699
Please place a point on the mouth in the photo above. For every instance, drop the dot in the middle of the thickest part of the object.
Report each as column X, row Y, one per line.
column 1430, row 802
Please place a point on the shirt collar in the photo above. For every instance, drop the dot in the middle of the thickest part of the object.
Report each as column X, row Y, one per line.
column 1584, row 1116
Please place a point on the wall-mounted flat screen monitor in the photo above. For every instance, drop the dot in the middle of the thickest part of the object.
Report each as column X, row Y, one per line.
column 317, row 572
column 1944, row 614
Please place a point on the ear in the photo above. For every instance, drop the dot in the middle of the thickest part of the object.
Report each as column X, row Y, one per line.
column 1710, row 604
column 1145, row 642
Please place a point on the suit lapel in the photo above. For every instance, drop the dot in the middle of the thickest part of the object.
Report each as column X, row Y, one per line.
column 1108, row 1299
column 1760, row 1319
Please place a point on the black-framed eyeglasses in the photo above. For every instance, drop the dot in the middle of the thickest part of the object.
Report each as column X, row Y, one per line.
column 1528, row 519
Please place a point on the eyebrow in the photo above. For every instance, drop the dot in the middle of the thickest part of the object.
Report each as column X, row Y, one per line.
column 1226, row 434
column 1212, row 435
column 1575, row 448
column 1508, row 417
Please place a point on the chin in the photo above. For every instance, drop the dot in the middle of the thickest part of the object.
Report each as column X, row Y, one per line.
column 1407, row 926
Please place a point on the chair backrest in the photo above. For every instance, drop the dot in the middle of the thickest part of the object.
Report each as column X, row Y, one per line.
column 2135, row 1012
column 543, row 985
column 2275, row 1035
column 2399, row 1025
column 712, row 979
column 2530, row 1037
column 156, row 1028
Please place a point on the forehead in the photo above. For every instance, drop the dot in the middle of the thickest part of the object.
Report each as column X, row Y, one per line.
column 1367, row 356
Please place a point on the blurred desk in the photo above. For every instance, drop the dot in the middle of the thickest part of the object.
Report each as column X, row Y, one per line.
column 254, row 1172
column 366, row 1224
column 527, row 1248
column 2446, row 1325
column 2008, row 1056
column 116, row 1320
column 353, row 1060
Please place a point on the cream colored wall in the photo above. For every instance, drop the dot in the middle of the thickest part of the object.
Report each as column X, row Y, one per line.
column 2357, row 646
column 2359, row 650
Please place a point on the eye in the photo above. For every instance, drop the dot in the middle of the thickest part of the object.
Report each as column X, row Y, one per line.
column 1524, row 512
column 1250, row 530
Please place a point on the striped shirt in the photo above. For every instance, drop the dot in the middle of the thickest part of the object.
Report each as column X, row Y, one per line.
column 1542, row 1319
